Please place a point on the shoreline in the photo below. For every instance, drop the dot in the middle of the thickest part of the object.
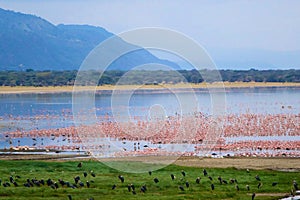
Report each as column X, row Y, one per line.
column 181, row 86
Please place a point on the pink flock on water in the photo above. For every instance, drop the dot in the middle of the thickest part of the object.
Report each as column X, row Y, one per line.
column 204, row 133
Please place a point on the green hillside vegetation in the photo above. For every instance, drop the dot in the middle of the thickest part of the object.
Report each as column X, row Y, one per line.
column 65, row 78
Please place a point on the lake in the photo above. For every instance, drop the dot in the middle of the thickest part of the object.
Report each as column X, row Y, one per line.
column 23, row 112
column 40, row 111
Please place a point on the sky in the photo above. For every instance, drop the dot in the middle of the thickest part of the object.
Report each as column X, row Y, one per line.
column 236, row 33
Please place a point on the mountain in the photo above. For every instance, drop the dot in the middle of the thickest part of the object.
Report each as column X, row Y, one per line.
column 28, row 41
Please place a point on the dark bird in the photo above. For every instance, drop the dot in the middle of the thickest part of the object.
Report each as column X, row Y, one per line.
column 183, row 173
column 121, row 178
column 210, row 178
column 85, row 174
column 129, row 188
column 172, row 176
column 26, row 185
column 274, row 183
column 181, row 188
column 88, row 184
column 81, row 184
column 259, row 185
column 212, row 186
column 61, row 182
column 15, row 184
column 198, row 180
column 231, row 181
column 134, row 192
column 113, row 187
column 257, row 178
column 76, row 179
column 253, row 196
column 143, row 189
column 237, row 187
column 132, row 186
column 79, row 164
column 93, row 174
column 70, row 197
column 156, row 180
column 295, row 184
column 224, row 181
column 150, row 173
column 204, row 172
column 248, row 171
column 220, row 179
column 187, row 184
column 248, row 187
column 11, row 179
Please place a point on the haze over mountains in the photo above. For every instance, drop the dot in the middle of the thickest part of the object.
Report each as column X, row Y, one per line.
column 28, row 41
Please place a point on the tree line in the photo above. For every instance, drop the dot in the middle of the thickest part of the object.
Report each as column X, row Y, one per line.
column 30, row 77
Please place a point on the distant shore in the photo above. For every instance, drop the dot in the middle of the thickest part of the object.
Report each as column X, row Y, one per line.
column 62, row 89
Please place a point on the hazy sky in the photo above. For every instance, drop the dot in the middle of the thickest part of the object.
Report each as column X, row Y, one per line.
column 240, row 26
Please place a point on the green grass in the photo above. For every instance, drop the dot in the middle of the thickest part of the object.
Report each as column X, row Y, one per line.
column 165, row 189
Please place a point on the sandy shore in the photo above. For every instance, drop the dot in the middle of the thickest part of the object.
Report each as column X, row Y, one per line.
column 61, row 89
column 280, row 164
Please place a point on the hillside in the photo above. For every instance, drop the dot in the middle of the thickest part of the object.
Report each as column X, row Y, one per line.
column 28, row 41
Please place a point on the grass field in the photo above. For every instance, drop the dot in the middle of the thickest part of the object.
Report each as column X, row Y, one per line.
column 101, row 184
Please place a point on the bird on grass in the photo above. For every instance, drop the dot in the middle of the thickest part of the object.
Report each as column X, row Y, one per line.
column 220, row 179
column 76, row 179
column 113, row 187
column 187, row 184
column 212, row 186
column 70, row 197
column 259, row 185
column 183, row 173
column 237, row 187
column 274, row 183
column 248, row 187
column 132, row 186
column 253, row 196
column 121, row 178
column 79, row 165
column 224, row 181
column 172, row 176
column 88, row 184
column 155, row 180
column 181, row 188
column 129, row 188
column 210, row 178
column 81, row 184
column 257, row 178
column 85, row 174
column 295, row 184
column 150, row 173
column 198, row 180
column 143, row 189
column 204, row 172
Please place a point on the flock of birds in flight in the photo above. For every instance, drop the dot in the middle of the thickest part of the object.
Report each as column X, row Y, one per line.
column 130, row 187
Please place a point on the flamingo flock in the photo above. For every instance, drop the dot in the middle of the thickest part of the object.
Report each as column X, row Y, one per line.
column 204, row 133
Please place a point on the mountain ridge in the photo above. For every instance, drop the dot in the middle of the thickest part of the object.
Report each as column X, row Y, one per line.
column 29, row 41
